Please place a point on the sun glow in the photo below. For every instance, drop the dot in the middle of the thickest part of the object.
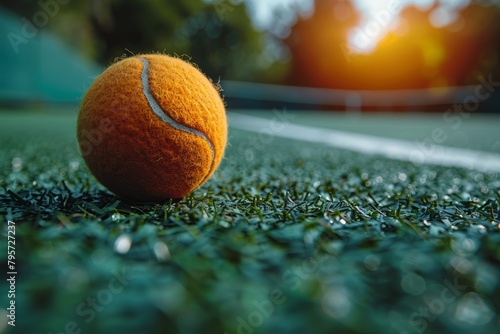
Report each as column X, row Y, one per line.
column 381, row 17
column 378, row 17
column 391, row 44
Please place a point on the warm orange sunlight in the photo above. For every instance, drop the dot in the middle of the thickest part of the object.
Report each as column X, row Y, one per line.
column 394, row 44
column 377, row 19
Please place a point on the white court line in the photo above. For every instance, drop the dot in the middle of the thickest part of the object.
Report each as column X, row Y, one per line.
column 392, row 148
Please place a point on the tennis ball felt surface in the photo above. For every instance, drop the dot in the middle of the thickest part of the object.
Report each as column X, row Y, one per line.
column 152, row 127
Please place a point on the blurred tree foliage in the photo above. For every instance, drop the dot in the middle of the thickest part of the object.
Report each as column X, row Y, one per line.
column 216, row 34
column 419, row 55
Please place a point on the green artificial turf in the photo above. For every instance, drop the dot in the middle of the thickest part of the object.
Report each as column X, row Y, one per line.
column 294, row 238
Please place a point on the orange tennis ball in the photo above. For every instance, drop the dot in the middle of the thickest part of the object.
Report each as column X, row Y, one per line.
column 152, row 127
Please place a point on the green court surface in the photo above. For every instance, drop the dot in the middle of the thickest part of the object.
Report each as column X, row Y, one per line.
column 467, row 130
column 287, row 237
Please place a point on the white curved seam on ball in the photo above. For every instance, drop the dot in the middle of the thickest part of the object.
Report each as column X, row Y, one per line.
column 164, row 117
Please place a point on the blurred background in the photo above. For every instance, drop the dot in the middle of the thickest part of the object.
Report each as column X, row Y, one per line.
column 385, row 55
